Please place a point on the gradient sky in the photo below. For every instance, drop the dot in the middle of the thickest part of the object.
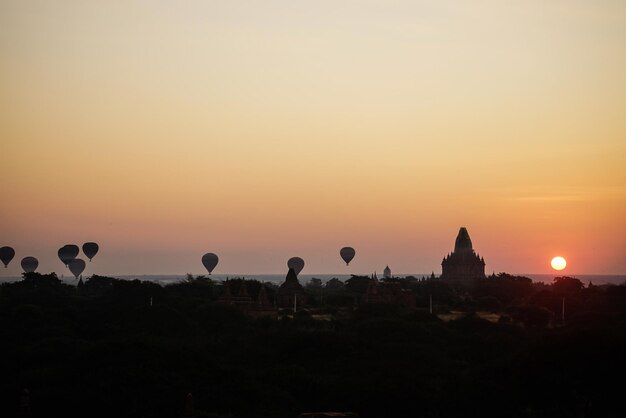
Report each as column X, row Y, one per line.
column 261, row 130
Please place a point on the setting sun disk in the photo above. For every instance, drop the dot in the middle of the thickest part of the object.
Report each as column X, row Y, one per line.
column 558, row 263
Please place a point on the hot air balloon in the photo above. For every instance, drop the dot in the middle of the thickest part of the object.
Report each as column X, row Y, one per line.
column 90, row 249
column 67, row 253
column 77, row 266
column 29, row 264
column 209, row 260
column 347, row 253
column 6, row 255
column 296, row 263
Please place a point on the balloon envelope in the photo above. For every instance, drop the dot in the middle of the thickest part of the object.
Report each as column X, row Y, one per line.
column 347, row 253
column 209, row 260
column 296, row 263
column 6, row 255
column 77, row 266
column 29, row 264
column 90, row 249
column 67, row 253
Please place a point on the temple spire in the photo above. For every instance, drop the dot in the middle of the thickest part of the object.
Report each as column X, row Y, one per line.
column 463, row 242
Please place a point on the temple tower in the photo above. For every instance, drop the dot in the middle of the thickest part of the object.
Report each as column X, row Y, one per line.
column 291, row 290
column 387, row 273
column 463, row 263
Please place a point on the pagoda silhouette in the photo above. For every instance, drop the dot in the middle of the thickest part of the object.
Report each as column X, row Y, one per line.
column 463, row 264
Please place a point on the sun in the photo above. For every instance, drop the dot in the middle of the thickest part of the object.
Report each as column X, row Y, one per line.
column 558, row 263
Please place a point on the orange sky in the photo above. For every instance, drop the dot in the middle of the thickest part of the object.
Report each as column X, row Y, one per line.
column 265, row 130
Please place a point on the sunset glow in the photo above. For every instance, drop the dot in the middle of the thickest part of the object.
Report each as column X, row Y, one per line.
column 322, row 208
column 264, row 130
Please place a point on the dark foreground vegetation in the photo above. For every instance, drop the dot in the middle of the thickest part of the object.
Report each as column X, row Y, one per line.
column 113, row 348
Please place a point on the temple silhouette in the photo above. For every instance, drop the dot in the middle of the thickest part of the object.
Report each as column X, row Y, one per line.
column 387, row 273
column 463, row 264
column 256, row 306
column 291, row 293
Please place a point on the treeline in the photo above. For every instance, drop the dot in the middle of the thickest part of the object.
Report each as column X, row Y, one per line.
column 136, row 349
